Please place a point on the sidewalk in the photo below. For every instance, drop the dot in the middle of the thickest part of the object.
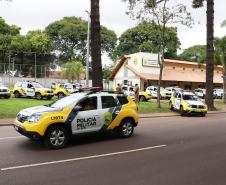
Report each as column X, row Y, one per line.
column 10, row 121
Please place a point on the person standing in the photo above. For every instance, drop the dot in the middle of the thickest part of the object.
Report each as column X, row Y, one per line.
column 136, row 92
column 119, row 88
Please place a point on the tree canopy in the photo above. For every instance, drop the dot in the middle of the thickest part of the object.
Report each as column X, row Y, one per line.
column 195, row 53
column 69, row 36
column 145, row 38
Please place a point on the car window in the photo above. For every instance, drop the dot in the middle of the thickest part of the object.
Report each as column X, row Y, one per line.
column 24, row 85
column 89, row 103
column 179, row 95
column 122, row 100
column 108, row 102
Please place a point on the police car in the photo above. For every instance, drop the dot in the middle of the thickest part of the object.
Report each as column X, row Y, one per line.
column 32, row 89
column 64, row 89
column 187, row 103
column 164, row 93
column 201, row 93
column 4, row 91
column 78, row 113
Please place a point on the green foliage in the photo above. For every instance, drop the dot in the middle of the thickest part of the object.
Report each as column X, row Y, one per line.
column 72, row 70
column 40, row 42
column 197, row 3
column 69, row 36
column 107, row 70
column 145, row 38
column 195, row 53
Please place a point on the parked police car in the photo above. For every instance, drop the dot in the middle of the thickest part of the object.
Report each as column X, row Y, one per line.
column 78, row 113
column 187, row 103
column 4, row 91
column 218, row 93
column 32, row 89
column 201, row 93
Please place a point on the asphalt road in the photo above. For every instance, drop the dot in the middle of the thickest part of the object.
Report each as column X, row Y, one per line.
column 162, row 151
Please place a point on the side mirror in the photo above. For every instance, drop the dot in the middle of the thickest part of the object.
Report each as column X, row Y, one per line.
column 77, row 108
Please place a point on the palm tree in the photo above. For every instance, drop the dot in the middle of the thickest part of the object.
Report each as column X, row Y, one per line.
column 96, row 44
column 210, row 50
column 72, row 70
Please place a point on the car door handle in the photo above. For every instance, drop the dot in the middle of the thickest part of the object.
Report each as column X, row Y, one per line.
column 117, row 112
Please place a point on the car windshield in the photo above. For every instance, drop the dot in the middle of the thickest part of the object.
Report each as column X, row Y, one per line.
column 190, row 97
column 37, row 85
column 65, row 102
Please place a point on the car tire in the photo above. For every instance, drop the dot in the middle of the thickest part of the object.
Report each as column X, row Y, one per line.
column 7, row 96
column 56, row 137
column 182, row 113
column 142, row 99
column 126, row 128
column 38, row 96
column 61, row 95
column 171, row 106
column 203, row 114
column 16, row 94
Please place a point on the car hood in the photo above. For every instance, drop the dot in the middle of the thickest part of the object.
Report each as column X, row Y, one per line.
column 192, row 102
column 38, row 110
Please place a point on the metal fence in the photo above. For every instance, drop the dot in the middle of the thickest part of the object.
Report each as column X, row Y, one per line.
column 10, row 73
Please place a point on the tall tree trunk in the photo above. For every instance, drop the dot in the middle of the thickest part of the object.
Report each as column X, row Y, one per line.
column 210, row 55
column 96, row 44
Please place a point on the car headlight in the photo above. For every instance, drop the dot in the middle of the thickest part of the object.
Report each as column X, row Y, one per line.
column 189, row 105
column 34, row 118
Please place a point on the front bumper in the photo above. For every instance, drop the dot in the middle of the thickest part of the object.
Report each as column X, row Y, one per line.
column 31, row 135
column 5, row 94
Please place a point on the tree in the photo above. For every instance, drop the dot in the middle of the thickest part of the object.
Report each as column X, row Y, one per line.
column 209, row 50
column 96, row 44
column 195, row 53
column 69, row 37
column 144, row 38
column 72, row 70
column 107, row 71
column 161, row 12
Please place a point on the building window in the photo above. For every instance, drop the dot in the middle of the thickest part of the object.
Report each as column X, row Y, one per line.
column 183, row 68
column 201, row 70
column 173, row 67
column 193, row 69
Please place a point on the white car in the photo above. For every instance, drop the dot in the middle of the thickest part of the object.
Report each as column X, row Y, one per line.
column 4, row 91
column 128, row 90
column 152, row 90
column 218, row 93
column 201, row 93
column 173, row 89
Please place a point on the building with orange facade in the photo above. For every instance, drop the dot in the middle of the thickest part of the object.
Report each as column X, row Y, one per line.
column 143, row 69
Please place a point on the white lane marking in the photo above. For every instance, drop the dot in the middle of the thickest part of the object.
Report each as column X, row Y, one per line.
column 82, row 158
column 5, row 138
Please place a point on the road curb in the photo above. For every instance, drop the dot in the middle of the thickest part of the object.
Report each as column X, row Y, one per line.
column 141, row 117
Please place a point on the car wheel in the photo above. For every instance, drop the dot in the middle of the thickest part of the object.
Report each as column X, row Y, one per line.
column 203, row 114
column 182, row 111
column 7, row 96
column 56, row 137
column 171, row 106
column 38, row 96
column 142, row 99
column 60, row 95
column 126, row 128
column 16, row 94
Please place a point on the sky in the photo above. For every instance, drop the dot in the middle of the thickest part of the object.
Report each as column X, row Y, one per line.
column 37, row 14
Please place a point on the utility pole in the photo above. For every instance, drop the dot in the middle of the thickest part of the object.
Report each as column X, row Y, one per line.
column 87, row 54
column 35, row 67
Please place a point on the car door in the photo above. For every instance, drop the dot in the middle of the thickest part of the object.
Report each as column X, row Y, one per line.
column 178, row 100
column 87, row 119
column 30, row 90
column 110, row 110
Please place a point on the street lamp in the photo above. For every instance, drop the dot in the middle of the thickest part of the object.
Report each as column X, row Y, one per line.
column 87, row 53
